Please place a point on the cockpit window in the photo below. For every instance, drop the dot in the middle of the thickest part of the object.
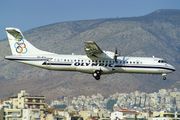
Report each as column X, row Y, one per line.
column 162, row 61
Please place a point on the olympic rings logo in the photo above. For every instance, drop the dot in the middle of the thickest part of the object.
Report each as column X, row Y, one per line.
column 20, row 45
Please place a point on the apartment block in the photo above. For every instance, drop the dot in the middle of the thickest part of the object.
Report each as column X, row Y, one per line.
column 165, row 116
column 23, row 107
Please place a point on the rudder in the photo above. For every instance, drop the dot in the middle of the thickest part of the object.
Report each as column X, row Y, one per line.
column 19, row 45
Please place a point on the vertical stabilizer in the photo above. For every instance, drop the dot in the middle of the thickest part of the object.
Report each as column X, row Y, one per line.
column 19, row 45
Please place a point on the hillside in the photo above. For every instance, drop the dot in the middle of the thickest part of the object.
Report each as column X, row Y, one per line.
column 153, row 34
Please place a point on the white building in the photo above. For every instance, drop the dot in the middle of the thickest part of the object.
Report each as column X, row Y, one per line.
column 123, row 114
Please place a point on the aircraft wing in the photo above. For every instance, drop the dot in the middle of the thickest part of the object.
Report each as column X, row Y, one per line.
column 91, row 49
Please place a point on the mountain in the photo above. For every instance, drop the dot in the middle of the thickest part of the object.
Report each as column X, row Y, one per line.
column 154, row 34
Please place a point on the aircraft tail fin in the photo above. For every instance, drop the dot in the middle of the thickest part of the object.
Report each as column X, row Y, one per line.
column 19, row 45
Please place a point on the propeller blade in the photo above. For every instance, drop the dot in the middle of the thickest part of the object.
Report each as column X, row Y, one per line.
column 116, row 51
column 115, row 55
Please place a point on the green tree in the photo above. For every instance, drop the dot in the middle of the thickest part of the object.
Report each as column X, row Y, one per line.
column 110, row 104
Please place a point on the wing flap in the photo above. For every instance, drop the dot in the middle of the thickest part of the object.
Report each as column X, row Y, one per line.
column 91, row 49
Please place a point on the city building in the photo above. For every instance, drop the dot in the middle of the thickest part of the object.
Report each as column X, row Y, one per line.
column 165, row 116
column 23, row 107
column 145, row 115
column 124, row 114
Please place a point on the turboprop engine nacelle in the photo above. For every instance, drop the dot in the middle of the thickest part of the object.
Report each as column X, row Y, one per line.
column 107, row 55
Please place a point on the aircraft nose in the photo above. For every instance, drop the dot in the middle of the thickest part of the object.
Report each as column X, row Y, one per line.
column 172, row 68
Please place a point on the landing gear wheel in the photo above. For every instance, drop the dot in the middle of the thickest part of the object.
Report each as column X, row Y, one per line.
column 164, row 78
column 97, row 74
column 97, row 77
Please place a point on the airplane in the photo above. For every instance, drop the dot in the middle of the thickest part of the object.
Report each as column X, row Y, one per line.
column 95, row 62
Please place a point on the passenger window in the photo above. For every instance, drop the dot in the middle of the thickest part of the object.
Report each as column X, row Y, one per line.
column 64, row 60
column 130, row 62
column 137, row 62
column 134, row 62
column 127, row 62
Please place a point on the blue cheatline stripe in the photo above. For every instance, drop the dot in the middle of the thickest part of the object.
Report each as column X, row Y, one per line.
column 26, row 59
column 153, row 67
column 68, row 64
column 60, row 64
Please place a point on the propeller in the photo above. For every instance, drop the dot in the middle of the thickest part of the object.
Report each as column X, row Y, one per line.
column 116, row 54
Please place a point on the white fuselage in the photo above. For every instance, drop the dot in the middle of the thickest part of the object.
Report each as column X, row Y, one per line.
column 82, row 63
column 95, row 62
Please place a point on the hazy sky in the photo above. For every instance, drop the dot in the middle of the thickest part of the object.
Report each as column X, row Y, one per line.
column 28, row 14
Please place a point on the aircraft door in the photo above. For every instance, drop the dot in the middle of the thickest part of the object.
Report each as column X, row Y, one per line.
column 48, row 62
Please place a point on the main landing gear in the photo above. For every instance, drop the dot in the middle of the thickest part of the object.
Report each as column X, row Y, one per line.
column 97, row 74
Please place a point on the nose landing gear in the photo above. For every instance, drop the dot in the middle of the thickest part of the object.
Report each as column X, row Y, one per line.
column 97, row 74
column 164, row 76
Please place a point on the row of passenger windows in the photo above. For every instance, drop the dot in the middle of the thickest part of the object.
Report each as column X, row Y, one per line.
column 99, row 61
column 105, row 61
